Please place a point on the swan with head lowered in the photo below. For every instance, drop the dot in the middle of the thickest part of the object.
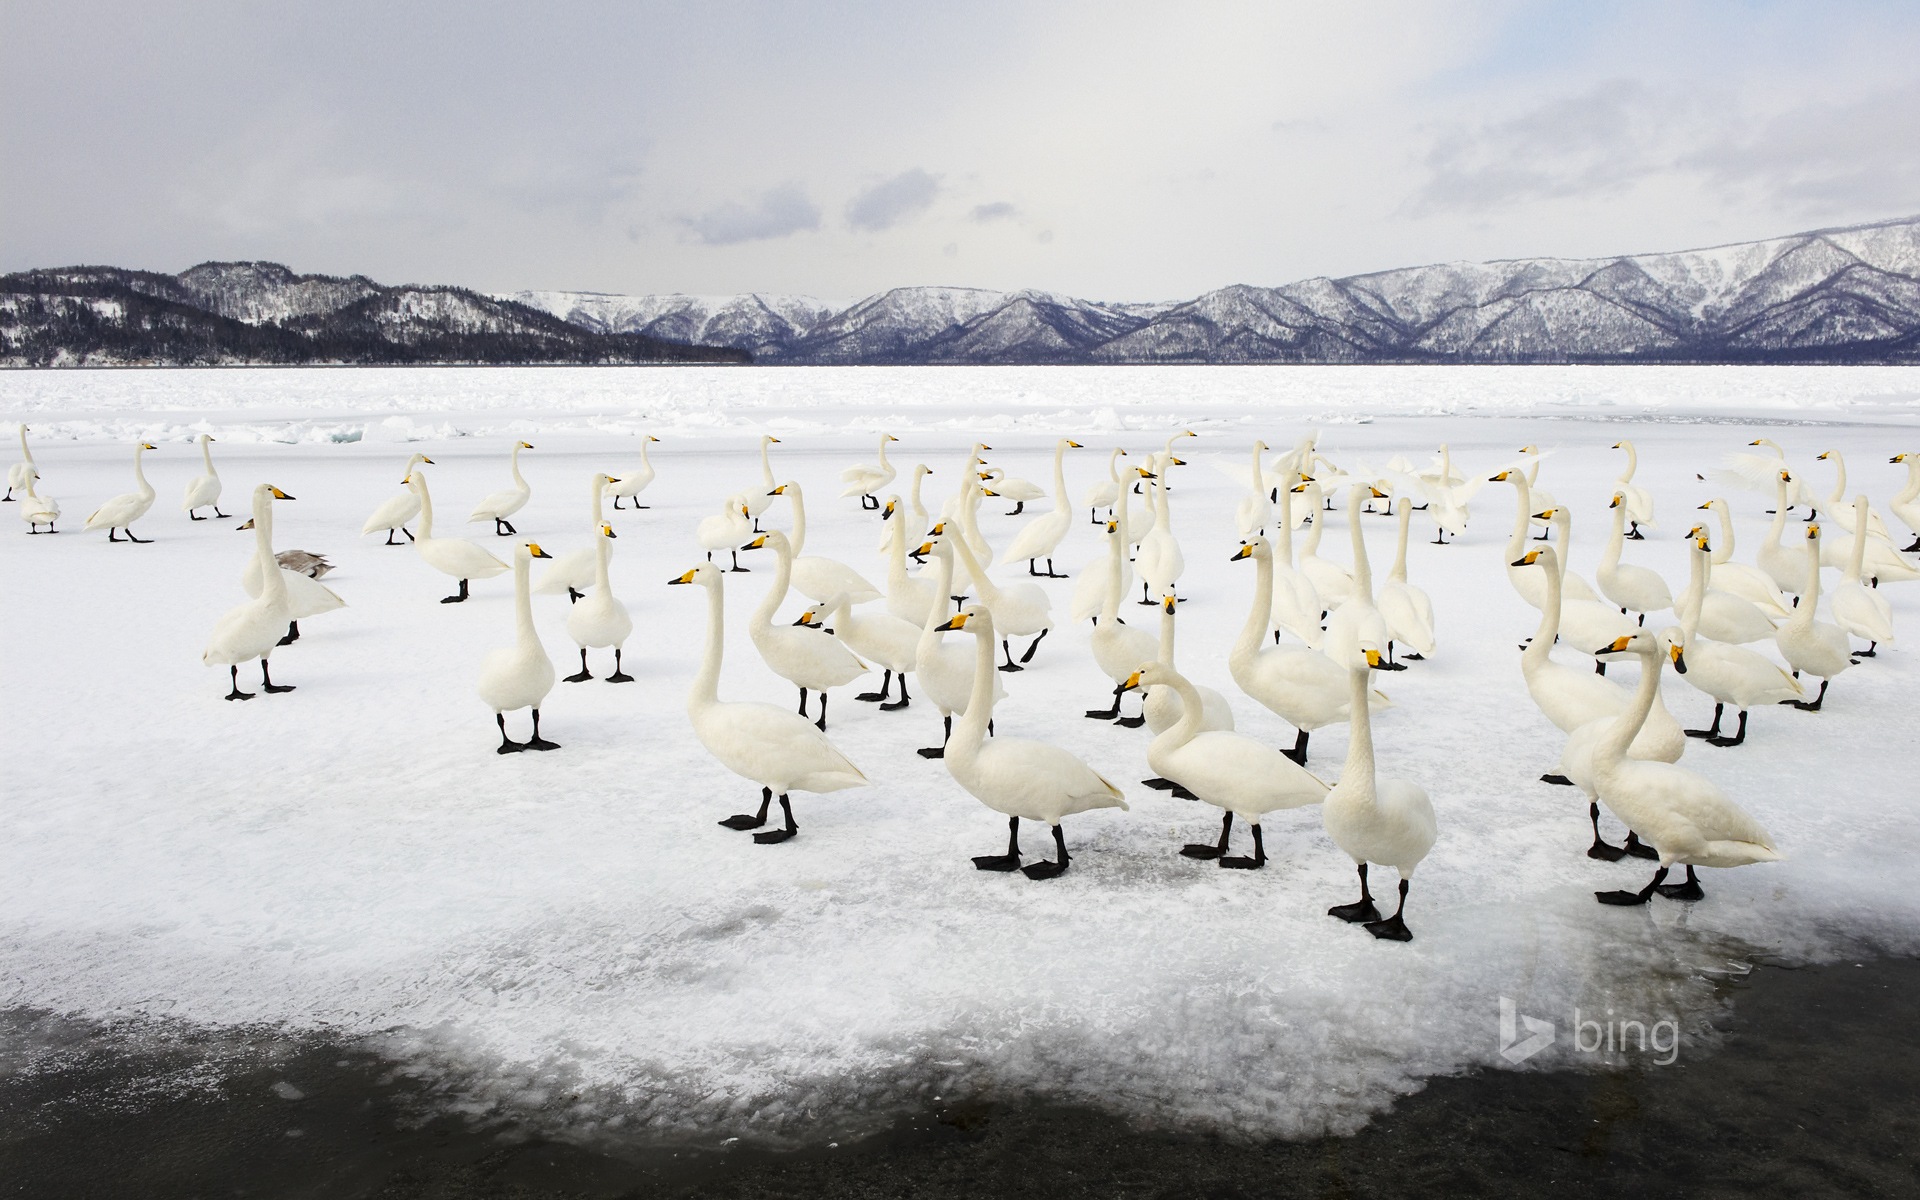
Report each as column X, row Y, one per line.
column 203, row 490
column 519, row 676
column 780, row 750
column 394, row 513
column 1228, row 770
column 1807, row 643
column 1686, row 818
column 632, row 483
column 252, row 630
column 123, row 510
column 815, row 576
column 500, row 505
column 1375, row 818
column 877, row 636
column 1730, row 673
column 455, row 557
column 1303, row 687
column 810, row 659
column 1040, row 537
column 867, row 478
column 1017, row 777
column 600, row 619
column 943, row 667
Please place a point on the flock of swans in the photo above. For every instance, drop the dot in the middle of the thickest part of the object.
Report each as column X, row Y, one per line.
column 1316, row 633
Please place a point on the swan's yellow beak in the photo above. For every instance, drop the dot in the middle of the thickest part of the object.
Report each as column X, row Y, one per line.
column 1707, row 505
column 1701, row 542
column 1616, row 645
column 1547, row 515
column 1168, row 604
column 1188, row 433
column 1373, row 658
column 534, row 549
column 526, row 445
column 1377, row 493
column 652, row 438
column 1617, row 445
column 407, row 480
column 990, row 492
column 1502, row 477
column 1754, row 442
column 1526, row 560
column 1299, row 487
column 982, row 446
column 1073, row 445
column 248, row 525
column 892, row 438
column 1822, row 456
column 779, row 491
column 148, row 446
column 1178, row 462
column 759, row 543
column 277, row 493
column 806, row 618
column 687, row 578
column 613, row 479
column 607, row 530
column 939, row 529
column 887, row 512
column 1786, row 476
column 1133, row 681
column 1245, row 551
column 1898, row 458
column 1813, row 531
column 1113, row 527
column 957, row 621
column 745, row 511
column 428, row 461
column 1616, row 501
column 925, row 549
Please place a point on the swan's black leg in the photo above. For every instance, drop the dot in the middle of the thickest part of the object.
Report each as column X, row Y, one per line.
column 1913, row 549
column 111, row 536
column 1203, row 850
column 886, row 685
column 1599, row 668
column 1868, row 652
column 1391, row 665
column 1637, row 848
column 507, row 744
column 1625, row 899
column 803, row 703
column 582, row 675
column 1601, row 848
column 822, row 722
column 1814, row 706
column 1136, row 720
column 1259, row 859
column 390, row 541
column 458, row 596
column 129, row 532
column 1361, row 909
column 1009, row 665
column 1035, row 645
column 939, row 751
column 1299, row 751
column 1047, row 870
column 268, row 685
column 780, row 835
column 575, row 595
column 1634, row 533
column 743, row 821
column 511, row 531
column 221, row 515
column 1144, row 597
column 1740, row 734
column 1108, row 714
column 1712, row 732
column 618, row 676
column 194, row 516
column 537, row 742
column 1690, row 890
column 1010, row 861
column 233, row 673
column 903, row 701
column 1051, row 573
column 737, row 567
column 1019, row 506
column 408, row 532
column 1394, row 928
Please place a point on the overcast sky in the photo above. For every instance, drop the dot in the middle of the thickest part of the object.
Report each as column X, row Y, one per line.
column 1112, row 150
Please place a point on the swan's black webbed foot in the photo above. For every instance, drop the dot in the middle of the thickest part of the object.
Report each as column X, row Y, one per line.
column 507, row 744
column 1047, row 870
column 1358, row 911
column 1629, row 899
column 1010, row 861
column 1134, row 722
column 236, row 693
column 791, row 828
column 743, row 821
column 932, row 752
column 1393, row 929
column 1689, row 890
column 1242, row 862
column 619, row 675
column 582, row 675
column 1638, row 848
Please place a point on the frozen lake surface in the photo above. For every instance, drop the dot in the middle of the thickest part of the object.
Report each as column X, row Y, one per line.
column 352, row 858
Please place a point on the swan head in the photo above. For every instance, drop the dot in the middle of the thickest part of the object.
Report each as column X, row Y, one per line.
column 889, row 508
column 607, row 531
column 1619, row 446
column 1619, row 498
column 781, row 490
column 1146, row 474
column 1899, row 458
column 1543, row 555
column 652, row 438
column 534, row 551
column 1548, row 514
column 925, row 549
column 1823, row 456
column 974, row 618
column 772, row 540
column 1168, row 603
column 525, row 445
column 706, row 575
column 1069, row 444
column 204, row 438
column 1113, row 527
column 1502, row 477
column 148, row 446
column 989, row 492
column 275, row 492
column 1813, row 532
column 1253, row 547
column 767, row 439
column 889, row 437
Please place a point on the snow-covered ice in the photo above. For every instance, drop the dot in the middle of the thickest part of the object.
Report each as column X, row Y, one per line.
column 353, row 858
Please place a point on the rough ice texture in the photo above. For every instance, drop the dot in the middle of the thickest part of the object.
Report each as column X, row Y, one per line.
column 571, row 934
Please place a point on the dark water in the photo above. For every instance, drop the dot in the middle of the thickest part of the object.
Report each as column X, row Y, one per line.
column 1814, row 1091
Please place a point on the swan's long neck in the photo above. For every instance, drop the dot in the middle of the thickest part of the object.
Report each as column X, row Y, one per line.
column 1810, row 595
column 766, row 464
column 1060, row 501
column 1260, row 617
column 1856, row 569
column 1532, row 474
column 523, row 601
column 798, row 538
column 139, row 472
column 1259, row 470
column 1113, row 463
column 1404, row 510
column 513, row 466
column 426, row 509
column 1839, row 495
column 600, row 551
column 971, row 729
column 599, row 490
column 1124, row 517
column 919, row 509
column 706, row 685
column 1166, row 636
column 26, row 451
column 989, row 592
column 1617, row 540
column 1907, row 493
column 943, row 580
column 1160, row 511
column 1700, row 577
column 1627, row 725
column 1358, row 775
column 1362, row 569
column 1633, row 462
column 1314, row 501
column 1536, row 651
column 273, row 585
column 206, row 457
column 1116, row 561
column 1285, row 531
column 1192, row 708
column 885, row 466
column 1723, row 551
column 646, row 463
column 897, row 551
column 1779, row 525
column 1523, row 496
column 1563, row 524
column 777, row 593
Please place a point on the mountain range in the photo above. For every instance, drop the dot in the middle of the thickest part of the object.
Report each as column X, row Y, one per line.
column 1845, row 295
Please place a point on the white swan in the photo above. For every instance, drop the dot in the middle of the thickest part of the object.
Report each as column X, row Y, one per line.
column 760, row 498
column 810, row 659
column 37, row 510
column 1090, row 589
column 1905, row 504
column 915, row 506
column 252, row 630
column 203, row 490
column 912, row 598
column 1761, row 471
column 1118, row 648
column 876, row 636
column 1860, row 610
column 1255, row 509
column 632, row 483
column 305, row 595
column 1297, row 606
column 123, row 510
column 1020, row 608
column 1684, row 816
column 1105, row 493
column 726, row 529
column 1637, row 500
column 1634, row 588
column 1541, row 497
column 1532, row 585
column 1809, row 644
column 394, row 513
column 1011, row 487
column 600, row 619
column 1731, row 674
column 455, row 557
column 501, row 505
column 1376, row 819
column 1040, row 537
column 1583, row 623
column 1407, row 609
column 867, row 478
column 1165, row 707
column 1302, row 687
column 573, row 572
column 1840, row 510
column 816, row 576
column 944, row 669
column 517, row 676
column 1785, row 565
column 1018, row 777
column 1225, row 769
column 1332, row 582
column 1723, row 616
column 777, row 749
column 1357, row 622
column 1742, row 579
column 18, row 474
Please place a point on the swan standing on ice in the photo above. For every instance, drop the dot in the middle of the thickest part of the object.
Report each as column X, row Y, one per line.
column 1742, row 579
column 573, row 572
column 1042, row 535
column 21, row 472
column 1808, row 643
column 1633, row 588
column 501, row 505
column 1106, row 492
column 810, row 659
column 1374, row 819
column 1118, row 648
column 1686, row 818
column 203, row 490
column 1731, row 674
column 867, row 478
column 1637, row 500
column 1905, row 504
column 518, row 676
column 306, row 596
column 456, row 557
column 1160, row 562
column 1860, row 610
column 1018, row 777
column 600, row 619
column 726, row 529
column 252, row 630
column 779, row 750
column 37, row 510
column 1358, row 622
column 1225, row 769
column 1407, row 609
column 1724, row 616
column 397, row 510
column 877, row 636
column 1010, row 487
column 944, row 668
column 912, row 598
column 761, row 497
column 1255, row 508
column 816, row 576
column 1785, row 564
column 632, row 483
column 126, row 508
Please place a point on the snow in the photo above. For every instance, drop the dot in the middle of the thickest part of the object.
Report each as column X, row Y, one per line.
column 353, row 858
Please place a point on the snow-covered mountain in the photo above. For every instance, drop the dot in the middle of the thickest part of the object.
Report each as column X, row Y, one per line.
column 1844, row 295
